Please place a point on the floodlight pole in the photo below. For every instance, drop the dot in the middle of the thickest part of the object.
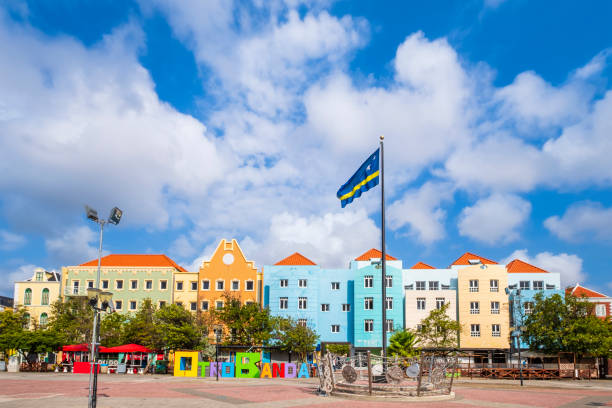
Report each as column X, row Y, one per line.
column 93, row 372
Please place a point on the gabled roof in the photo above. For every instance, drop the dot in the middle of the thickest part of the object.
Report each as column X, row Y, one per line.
column 421, row 265
column 580, row 291
column 374, row 253
column 468, row 256
column 136, row 260
column 295, row 259
column 518, row 266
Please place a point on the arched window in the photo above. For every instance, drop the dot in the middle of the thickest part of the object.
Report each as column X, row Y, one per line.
column 45, row 297
column 26, row 320
column 27, row 297
column 43, row 319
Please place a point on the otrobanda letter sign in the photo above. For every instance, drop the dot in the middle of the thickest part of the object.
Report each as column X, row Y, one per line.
column 186, row 364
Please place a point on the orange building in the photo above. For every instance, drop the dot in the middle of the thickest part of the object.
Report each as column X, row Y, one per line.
column 228, row 271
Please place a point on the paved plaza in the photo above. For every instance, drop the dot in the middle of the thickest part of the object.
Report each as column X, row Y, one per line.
column 70, row 390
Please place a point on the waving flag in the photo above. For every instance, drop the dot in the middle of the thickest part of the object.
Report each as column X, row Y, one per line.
column 364, row 179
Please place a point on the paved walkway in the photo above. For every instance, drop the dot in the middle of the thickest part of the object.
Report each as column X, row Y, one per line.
column 51, row 390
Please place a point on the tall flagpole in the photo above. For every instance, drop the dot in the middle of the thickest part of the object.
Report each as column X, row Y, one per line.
column 383, row 250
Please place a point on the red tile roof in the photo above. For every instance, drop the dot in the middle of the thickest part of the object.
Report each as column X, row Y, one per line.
column 580, row 291
column 468, row 256
column 374, row 253
column 136, row 260
column 421, row 265
column 518, row 266
column 295, row 259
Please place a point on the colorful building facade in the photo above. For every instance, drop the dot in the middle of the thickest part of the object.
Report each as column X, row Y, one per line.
column 37, row 294
column 186, row 290
column 426, row 289
column 131, row 279
column 525, row 281
column 227, row 271
column 482, row 303
column 603, row 303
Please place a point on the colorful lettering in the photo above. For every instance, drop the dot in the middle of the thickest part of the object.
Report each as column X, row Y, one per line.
column 203, row 365
column 290, row 370
column 186, row 363
column 227, row 370
column 278, row 370
column 266, row 372
column 303, row 371
column 246, row 365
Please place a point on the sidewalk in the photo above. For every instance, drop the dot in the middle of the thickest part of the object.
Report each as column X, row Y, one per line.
column 605, row 385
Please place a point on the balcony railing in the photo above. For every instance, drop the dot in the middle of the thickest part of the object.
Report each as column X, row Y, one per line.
column 75, row 291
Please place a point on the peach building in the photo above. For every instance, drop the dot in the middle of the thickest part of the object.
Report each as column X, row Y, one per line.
column 482, row 303
column 228, row 271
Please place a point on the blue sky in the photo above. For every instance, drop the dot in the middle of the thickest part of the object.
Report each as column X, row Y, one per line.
column 231, row 119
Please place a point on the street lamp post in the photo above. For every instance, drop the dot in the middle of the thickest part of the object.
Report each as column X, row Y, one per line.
column 98, row 300
column 516, row 333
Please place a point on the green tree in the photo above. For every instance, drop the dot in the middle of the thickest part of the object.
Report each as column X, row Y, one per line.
column 567, row 324
column 294, row 337
column 12, row 323
column 339, row 349
column 438, row 330
column 403, row 344
column 112, row 329
column 72, row 320
column 38, row 341
column 248, row 324
column 141, row 328
column 179, row 329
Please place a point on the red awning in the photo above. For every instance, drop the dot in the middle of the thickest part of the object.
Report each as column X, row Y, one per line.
column 128, row 348
column 76, row 347
column 83, row 347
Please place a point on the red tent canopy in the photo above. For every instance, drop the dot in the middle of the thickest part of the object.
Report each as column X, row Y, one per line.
column 127, row 348
column 83, row 347
column 76, row 347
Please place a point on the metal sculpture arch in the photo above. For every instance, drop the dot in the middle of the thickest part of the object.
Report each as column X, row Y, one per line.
column 425, row 375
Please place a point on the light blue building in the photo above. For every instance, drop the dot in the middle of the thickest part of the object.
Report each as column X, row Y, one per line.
column 341, row 305
column 369, row 302
column 524, row 282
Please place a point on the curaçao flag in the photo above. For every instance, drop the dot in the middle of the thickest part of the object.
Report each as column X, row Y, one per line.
column 364, row 179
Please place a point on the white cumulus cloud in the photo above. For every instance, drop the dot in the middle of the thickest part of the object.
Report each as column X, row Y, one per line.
column 495, row 219
column 585, row 220
column 10, row 241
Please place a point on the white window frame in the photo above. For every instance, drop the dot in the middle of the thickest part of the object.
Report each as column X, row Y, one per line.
column 440, row 303
column 217, row 304
column 389, row 325
column 283, row 303
column 495, row 333
column 234, row 281
column 202, row 283
column 146, row 282
column 222, row 281
column 90, row 283
column 132, row 284
column 120, row 307
column 335, row 286
column 335, row 328
column 495, row 307
column 346, row 307
column 207, row 305
column 105, row 281
column 475, row 330
column 302, row 283
column 368, row 303
column 117, row 284
column 302, row 303
column 525, row 285
column 420, row 285
column 191, row 284
column 389, row 281
column 540, row 285
column 325, row 307
column 246, row 285
column 389, row 303
column 474, row 284
column 302, row 322
column 368, row 325
column 193, row 306
column 135, row 305
column 421, row 303
column 182, row 283
column 600, row 309
column 474, row 307
column 161, row 282
column 493, row 285
column 434, row 285
column 368, row 281
column 284, row 283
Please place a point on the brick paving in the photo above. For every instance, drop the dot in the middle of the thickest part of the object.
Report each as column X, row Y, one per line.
column 24, row 390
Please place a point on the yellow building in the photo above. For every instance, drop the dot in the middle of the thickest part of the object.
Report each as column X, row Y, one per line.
column 482, row 303
column 186, row 290
column 37, row 294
